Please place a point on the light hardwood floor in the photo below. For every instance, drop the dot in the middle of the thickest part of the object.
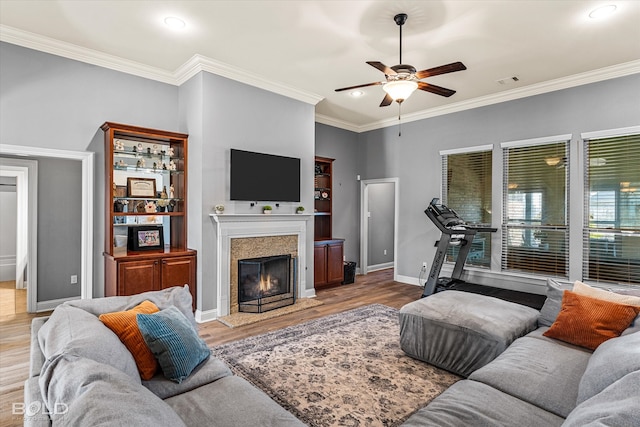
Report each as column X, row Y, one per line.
column 374, row 288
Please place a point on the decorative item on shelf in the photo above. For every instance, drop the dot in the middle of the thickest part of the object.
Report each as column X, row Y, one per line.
column 121, row 191
column 172, row 165
column 324, row 195
column 164, row 166
column 155, row 166
column 121, row 164
column 318, row 169
column 219, row 209
column 316, row 194
column 145, row 237
column 149, row 151
column 164, row 194
column 150, row 207
column 118, row 205
column 140, row 163
column 266, row 209
column 134, row 149
column 141, row 187
column 170, row 152
column 118, row 145
column 172, row 191
column 162, row 204
column 155, row 149
column 140, row 147
column 172, row 205
column 300, row 209
column 139, row 207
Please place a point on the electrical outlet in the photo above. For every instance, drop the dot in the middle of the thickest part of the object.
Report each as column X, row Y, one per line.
column 384, row 252
column 74, row 279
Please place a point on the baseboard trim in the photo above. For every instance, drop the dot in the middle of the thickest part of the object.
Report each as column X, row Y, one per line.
column 52, row 304
column 206, row 315
column 408, row 280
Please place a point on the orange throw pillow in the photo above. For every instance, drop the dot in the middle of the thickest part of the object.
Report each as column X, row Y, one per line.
column 125, row 326
column 588, row 322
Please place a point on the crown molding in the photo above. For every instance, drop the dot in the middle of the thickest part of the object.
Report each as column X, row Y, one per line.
column 199, row 63
column 82, row 54
column 606, row 73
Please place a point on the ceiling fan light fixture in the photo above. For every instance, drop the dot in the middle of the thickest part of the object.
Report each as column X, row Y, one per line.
column 400, row 90
column 174, row 23
column 603, row 11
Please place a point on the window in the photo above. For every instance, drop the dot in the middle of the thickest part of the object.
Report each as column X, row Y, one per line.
column 467, row 190
column 535, row 210
column 612, row 200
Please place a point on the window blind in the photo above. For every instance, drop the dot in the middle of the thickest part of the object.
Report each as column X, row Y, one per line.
column 466, row 182
column 611, row 230
column 535, row 210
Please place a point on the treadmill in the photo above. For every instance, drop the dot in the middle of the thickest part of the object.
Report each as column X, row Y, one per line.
column 455, row 232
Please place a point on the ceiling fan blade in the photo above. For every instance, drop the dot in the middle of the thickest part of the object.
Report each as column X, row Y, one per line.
column 435, row 89
column 357, row 86
column 387, row 100
column 380, row 66
column 443, row 69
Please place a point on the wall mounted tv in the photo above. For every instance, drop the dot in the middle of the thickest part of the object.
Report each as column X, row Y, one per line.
column 264, row 177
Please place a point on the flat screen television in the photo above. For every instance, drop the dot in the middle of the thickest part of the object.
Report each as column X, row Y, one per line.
column 264, row 177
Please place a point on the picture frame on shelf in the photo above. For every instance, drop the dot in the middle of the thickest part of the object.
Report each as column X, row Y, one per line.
column 145, row 238
column 141, row 187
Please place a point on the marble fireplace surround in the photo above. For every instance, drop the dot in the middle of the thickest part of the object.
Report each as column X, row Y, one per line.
column 243, row 226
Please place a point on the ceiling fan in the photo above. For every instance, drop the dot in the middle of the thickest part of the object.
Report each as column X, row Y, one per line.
column 402, row 80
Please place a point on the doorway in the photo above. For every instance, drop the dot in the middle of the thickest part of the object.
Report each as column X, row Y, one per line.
column 30, row 200
column 378, row 224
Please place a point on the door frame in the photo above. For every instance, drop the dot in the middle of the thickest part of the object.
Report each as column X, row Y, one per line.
column 86, row 243
column 364, row 223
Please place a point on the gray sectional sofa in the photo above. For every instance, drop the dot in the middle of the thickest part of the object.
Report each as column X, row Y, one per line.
column 81, row 374
column 540, row 381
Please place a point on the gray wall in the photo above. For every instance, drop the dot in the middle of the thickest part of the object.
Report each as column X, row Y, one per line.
column 414, row 159
column 52, row 102
column 381, row 205
column 220, row 114
column 8, row 221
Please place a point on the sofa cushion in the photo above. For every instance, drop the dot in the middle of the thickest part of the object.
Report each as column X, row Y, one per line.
column 230, row 402
column 584, row 289
column 470, row 403
column 124, row 325
column 72, row 330
column 538, row 370
column 551, row 307
column 617, row 405
column 588, row 322
column 611, row 361
column 174, row 342
column 178, row 296
column 212, row 370
column 94, row 394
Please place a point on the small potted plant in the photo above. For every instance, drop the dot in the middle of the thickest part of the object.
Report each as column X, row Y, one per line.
column 300, row 209
column 219, row 209
column 266, row 209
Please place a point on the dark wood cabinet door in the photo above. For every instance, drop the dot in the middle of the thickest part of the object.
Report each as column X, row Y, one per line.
column 180, row 271
column 320, row 264
column 135, row 277
column 335, row 269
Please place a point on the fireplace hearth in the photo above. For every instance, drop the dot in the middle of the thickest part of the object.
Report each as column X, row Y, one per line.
column 266, row 283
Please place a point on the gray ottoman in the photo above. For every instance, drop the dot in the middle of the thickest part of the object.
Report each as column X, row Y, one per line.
column 462, row 331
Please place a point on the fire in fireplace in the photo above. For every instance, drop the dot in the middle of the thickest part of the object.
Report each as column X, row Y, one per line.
column 266, row 283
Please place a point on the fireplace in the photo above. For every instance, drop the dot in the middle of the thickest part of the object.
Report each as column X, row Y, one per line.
column 266, row 283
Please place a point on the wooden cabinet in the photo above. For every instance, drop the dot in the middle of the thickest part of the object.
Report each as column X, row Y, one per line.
column 136, row 274
column 327, row 262
column 146, row 211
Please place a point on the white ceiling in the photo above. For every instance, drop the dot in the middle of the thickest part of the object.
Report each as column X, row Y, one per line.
column 306, row 49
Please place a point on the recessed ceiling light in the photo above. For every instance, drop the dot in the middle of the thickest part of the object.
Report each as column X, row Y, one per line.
column 357, row 93
column 603, row 11
column 174, row 23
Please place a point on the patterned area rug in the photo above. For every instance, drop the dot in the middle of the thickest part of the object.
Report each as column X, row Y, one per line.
column 345, row 369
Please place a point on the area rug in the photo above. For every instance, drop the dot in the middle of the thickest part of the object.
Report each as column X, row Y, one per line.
column 241, row 319
column 345, row 369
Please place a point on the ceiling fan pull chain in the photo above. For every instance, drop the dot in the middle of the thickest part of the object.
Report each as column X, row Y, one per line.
column 399, row 121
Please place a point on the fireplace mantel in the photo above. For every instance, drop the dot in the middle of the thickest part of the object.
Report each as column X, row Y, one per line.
column 232, row 226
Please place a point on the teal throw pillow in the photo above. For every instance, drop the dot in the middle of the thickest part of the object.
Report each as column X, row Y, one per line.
column 174, row 342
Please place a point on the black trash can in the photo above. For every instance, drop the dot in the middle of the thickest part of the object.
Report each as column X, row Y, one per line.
column 349, row 272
